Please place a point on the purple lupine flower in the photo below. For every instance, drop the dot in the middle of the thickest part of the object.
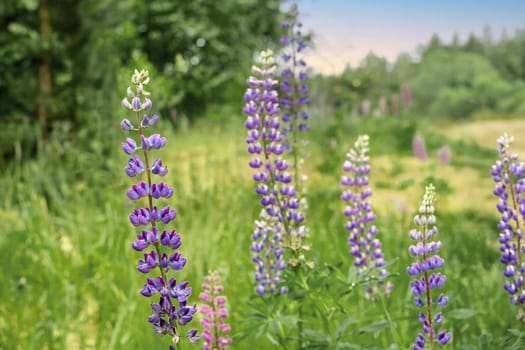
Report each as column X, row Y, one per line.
column 418, row 146
column 364, row 245
column 424, row 271
column 444, row 155
column 268, row 256
column 161, row 190
column 135, row 166
column 294, row 96
column 215, row 312
column 149, row 121
column 159, row 248
column 508, row 174
column 158, row 169
column 138, row 190
column 280, row 221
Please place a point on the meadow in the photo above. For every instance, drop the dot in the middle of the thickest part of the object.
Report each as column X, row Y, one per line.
column 69, row 279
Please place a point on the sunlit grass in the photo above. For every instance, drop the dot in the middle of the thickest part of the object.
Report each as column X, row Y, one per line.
column 69, row 277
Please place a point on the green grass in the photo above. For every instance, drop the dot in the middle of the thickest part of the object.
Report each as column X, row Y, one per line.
column 69, row 279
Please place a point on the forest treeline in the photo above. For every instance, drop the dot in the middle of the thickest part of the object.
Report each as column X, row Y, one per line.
column 63, row 65
column 478, row 77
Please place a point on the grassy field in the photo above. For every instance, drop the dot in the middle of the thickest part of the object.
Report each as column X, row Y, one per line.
column 68, row 272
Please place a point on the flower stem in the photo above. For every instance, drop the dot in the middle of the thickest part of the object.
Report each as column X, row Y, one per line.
column 429, row 299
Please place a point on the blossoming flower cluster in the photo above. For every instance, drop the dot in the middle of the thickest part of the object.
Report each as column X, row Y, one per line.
column 160, row 245
column 280, row 221
column 427, row 261
column 363, row 243
column 215, row 312
column 508, row 173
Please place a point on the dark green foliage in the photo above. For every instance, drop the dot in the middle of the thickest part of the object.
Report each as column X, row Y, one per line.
column 60, row 62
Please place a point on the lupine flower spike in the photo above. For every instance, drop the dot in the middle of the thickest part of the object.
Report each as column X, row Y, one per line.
column 294, row 95
column 508, row 174
column 159, row 243
column 427, row 280
column 418, row 146
column 280, row 221
column 364, row 245
column 215, row 312
column 444, row 155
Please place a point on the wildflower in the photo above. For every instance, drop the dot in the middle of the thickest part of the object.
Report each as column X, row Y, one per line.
column 510, row 185
column 280, row 221
column 444, row 155
column 159, row 246
column 294, row 96
column 215, row 312
column 418, row 146
column 363, row 243
column 424, row 271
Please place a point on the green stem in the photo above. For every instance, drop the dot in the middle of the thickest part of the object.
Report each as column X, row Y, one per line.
column 300, row 326
column 393, row 328
column 429, row 299
column 516, row 212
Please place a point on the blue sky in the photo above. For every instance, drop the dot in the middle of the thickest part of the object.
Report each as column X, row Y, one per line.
column 346, row 30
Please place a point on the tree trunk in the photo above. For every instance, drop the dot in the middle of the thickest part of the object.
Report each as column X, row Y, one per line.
column 45, row 82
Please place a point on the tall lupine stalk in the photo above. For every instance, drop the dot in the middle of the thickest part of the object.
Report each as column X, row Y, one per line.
column 427, row 261
column 161, row 244
column 280, row 222
column 508, row 174
column 363, row 243
column 215, row 312
column 294, row 94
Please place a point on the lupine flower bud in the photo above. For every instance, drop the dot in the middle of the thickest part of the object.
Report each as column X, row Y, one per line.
column 136, row 104
column 215, row 313
column 172, row 310
column 129, row 146
column 126, row 125
column 426, row 279
column 364, row 245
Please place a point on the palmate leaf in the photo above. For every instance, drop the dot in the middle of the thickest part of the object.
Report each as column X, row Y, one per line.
column 341, row 330
column 462, row 314
column 513, row 341
column 485, row 342
column 267, row 318
column 315, row 339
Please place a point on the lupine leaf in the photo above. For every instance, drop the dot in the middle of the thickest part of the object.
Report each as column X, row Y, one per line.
column 342, row 328
column 485, row 341
column 462, row 314
column 375, row 327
